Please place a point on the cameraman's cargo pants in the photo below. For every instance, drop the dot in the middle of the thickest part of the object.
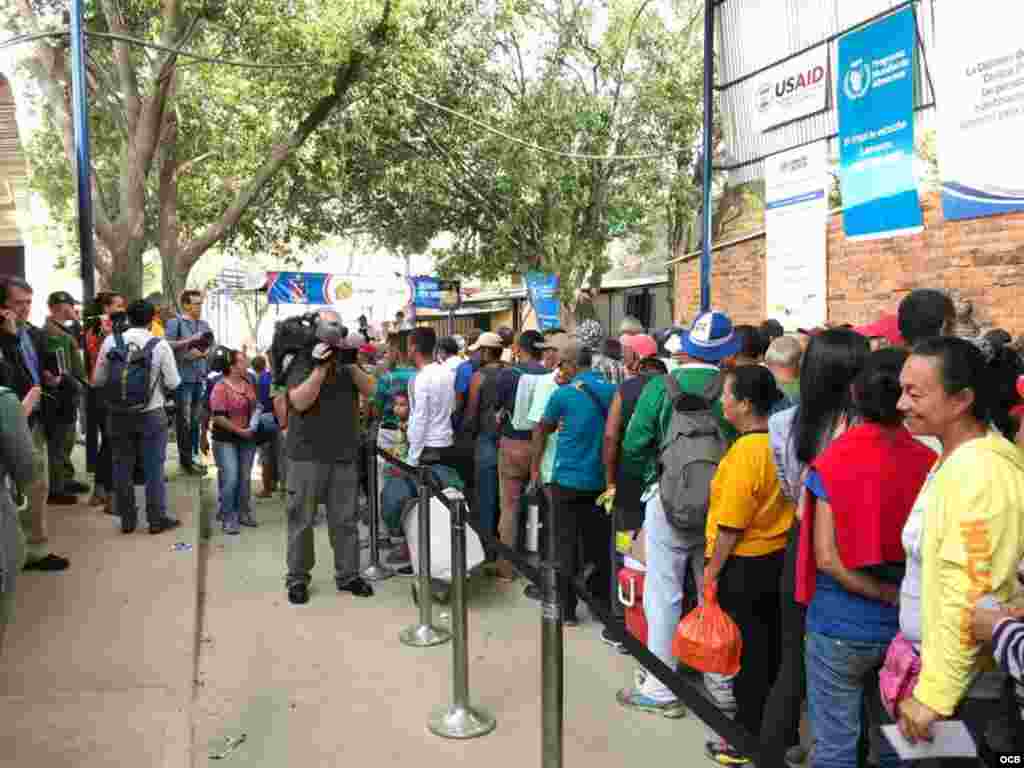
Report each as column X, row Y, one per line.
column 337, row 487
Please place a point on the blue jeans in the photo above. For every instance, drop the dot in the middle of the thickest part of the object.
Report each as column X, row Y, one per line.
column 396, row 491
column 234, row 479
column 839, row 673
column 487, row 482
column 189, row 397
column 142, row 439
column 669, row 555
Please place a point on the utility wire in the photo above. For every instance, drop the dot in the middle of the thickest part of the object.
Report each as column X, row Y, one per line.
column 412, row 94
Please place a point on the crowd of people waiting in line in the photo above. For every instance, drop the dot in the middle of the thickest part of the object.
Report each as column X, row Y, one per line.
column 864, row 524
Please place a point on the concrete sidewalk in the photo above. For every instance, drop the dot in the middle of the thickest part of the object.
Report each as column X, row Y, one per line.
column 99, row 664
column 329, row 682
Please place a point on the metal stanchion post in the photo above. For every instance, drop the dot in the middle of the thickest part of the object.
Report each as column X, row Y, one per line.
column 552, row 653
column 425, row 633
column 375, row 571
column 460, row 720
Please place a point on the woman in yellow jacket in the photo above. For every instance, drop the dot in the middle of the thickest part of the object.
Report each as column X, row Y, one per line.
column 964, row 538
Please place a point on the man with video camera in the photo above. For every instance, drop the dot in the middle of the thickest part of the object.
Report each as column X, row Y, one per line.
column 323, row 383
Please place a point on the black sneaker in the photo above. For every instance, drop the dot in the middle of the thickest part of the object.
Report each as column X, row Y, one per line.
column 298, row 594
column 612, row 641
column 51, row 562
column 166, row 524
column 357, row 587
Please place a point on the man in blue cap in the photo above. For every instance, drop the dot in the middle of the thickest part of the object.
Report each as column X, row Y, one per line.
column 700, row 353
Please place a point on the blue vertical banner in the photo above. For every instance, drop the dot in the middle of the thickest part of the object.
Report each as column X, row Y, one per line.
column 542, row 288
column 431, row 293
column 876, row 128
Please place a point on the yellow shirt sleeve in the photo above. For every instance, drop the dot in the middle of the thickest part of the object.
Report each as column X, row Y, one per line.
column 968, row 516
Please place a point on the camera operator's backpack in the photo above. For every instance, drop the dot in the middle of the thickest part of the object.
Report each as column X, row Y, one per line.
column 130, row 385
column 688, row 457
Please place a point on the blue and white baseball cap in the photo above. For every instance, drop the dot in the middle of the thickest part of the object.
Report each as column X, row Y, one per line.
column 710, row 338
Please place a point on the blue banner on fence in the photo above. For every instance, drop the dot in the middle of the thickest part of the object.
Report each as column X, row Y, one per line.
column 431, row 293
column 307, row 288
column 542, row 288
column 876, row 128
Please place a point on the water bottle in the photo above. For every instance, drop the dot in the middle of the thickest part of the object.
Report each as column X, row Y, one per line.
column 533, row 523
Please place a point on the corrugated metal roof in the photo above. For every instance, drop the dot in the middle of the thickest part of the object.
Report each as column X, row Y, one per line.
column 753, row 34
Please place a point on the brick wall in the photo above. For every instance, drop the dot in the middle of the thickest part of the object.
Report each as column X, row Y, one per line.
column 981, row 261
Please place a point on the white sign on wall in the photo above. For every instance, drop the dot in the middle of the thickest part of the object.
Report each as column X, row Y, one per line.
column 796, row 208
column 980, row 95
column 794, row 89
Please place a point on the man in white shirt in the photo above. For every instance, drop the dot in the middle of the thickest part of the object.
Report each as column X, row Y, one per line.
column 448, row 353
column 432, row 399
column 141, row 436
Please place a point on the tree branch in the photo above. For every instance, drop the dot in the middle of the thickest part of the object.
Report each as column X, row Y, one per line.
column 345, row 78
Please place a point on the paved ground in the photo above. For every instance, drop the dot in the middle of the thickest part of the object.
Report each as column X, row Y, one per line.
column 308, row 684
column 99, row 666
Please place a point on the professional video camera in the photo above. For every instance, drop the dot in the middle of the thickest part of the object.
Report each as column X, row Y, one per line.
column 304, row 332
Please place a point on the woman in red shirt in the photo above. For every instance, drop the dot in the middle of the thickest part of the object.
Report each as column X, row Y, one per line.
column 232, row 405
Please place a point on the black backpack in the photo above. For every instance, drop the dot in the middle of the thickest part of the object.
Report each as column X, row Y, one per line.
column 130, row 385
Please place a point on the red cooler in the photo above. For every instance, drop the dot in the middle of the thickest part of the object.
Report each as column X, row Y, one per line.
column 631, row 595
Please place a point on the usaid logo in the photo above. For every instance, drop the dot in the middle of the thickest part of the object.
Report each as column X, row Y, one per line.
column 790, row 89
column 858, row 80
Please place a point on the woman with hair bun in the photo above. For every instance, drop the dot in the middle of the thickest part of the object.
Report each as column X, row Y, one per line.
column 859, row 492
column 964, row 539
column 748, row 520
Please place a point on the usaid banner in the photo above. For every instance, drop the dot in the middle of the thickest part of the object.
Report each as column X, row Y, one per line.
column 796, row 208
column 315, row 288
column 542, row 288
column 981, row 108
column 876, row 129
column 798, row 88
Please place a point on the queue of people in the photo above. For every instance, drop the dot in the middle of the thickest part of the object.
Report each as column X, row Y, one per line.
column 857, row 500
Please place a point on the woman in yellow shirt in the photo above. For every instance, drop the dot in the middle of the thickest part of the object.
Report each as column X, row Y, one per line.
column 964, row 537
column 748, row 520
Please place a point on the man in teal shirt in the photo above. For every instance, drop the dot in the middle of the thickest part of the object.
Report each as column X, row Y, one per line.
column 578, row 411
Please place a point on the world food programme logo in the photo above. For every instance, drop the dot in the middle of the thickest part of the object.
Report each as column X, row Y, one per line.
column 857, row 80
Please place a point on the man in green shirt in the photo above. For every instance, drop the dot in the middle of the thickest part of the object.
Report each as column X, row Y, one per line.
column 709, row 346
column 60, row 427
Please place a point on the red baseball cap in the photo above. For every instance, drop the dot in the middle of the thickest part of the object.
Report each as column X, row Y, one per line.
column 642, row 344
column 887, row 327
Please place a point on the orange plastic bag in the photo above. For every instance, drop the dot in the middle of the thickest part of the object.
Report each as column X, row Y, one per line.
column 707, row 639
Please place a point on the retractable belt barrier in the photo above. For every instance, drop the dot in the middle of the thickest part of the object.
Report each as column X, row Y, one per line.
column 460, row 720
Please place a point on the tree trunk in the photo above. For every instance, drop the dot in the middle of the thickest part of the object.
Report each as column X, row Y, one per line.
column 126, row 271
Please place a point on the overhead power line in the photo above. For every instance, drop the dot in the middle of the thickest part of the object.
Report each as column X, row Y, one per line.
column 319, row 64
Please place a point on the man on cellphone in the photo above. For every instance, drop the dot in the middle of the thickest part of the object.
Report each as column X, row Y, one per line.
column 190, row 338
column 23, row 349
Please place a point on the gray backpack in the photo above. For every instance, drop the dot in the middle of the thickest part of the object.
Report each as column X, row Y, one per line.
column 689, row 456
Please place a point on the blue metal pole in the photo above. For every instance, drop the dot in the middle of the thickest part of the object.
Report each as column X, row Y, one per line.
column 709, row 83
column 80, row 114
column 80, row 111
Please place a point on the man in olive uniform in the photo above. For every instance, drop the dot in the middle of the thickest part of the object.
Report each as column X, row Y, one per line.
column 62, row 345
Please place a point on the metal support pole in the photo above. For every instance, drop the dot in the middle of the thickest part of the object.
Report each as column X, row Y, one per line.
column 425, row 633
column 552, row 655
column 709, row 116
column 80, row 120
column 460, row 720
column 375, row 571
